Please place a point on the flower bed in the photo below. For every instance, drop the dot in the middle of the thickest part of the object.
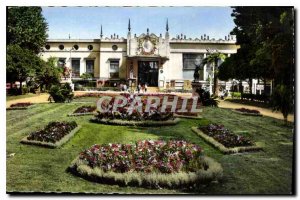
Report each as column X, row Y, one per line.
column 84, row 110
column 146, row 163
column 224, row 140
column 53, row 135
column 246, row 111
column 123, row 115
column 20, row 106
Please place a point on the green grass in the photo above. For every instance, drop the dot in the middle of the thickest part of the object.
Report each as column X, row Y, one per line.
column 15, row 97
column 40, row 169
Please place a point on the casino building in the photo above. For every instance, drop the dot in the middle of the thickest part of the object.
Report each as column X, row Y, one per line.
column 156, row 60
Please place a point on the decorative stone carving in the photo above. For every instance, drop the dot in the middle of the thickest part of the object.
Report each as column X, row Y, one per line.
column 147, row 44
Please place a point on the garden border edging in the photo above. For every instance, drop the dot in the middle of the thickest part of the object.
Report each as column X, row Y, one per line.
column 221, row 147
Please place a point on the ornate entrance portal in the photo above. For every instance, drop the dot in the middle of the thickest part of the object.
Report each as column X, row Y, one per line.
column 148, row 73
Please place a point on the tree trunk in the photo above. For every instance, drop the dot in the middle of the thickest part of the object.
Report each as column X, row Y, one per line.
column 216, row 85
column 285, row 120
column 250, row 85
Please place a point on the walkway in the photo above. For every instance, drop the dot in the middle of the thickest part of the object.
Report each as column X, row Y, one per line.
column 263, row 111
column 42, row 98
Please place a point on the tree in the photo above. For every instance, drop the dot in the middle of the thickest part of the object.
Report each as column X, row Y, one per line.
column 48, row 74
column 266, row 39
column 26, row 27
column 21, row 64
column 214, row 59
column 282, row 100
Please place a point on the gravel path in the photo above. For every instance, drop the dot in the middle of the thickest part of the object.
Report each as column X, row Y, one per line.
column 43, row 98
column 263, row 111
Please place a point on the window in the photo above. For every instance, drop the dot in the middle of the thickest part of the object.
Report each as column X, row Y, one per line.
column 61, row 62
column 76, row 47
column 89, row 67
column 75, row 67
column 114, row 69
column 90, row 47
column 61, row 47
column 114, row 47
column 190, row 61
column 47, row 46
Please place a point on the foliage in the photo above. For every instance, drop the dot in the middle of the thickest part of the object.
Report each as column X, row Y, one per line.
column 236, row 95
column 48, row 74
column 224, row 136
column 61, row 93
column 282, row 100
column 266, row 37
column 26, row 27
column 86, row 76
column 53, row 132
column 214, row 58
column 206, row 99
column 145, row 156
column 21, row 64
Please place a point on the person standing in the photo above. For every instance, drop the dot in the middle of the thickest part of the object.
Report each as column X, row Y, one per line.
column 146, row 87
column 139, row 88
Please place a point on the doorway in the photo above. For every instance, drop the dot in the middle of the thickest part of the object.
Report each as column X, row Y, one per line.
column 148, row 73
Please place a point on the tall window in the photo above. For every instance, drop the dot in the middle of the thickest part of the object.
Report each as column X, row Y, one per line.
column 75, row 67
column 190, row 61
column 89, row 67
column 114, row 69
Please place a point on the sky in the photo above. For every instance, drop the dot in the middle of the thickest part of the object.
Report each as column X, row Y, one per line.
column 85, row 22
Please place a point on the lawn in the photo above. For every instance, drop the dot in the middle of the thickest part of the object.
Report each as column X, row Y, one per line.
column 39, row 169
column 15, row 97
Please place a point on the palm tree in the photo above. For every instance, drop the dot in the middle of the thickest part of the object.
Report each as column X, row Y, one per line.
column 213, row 59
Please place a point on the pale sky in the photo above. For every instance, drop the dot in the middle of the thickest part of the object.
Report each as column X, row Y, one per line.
column 85, row 22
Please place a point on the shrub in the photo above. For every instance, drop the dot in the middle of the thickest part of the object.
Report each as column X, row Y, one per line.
column 236, row 95
column 206, row 99
column 61, row 93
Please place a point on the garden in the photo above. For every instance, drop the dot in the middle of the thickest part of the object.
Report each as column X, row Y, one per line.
column 103, row 158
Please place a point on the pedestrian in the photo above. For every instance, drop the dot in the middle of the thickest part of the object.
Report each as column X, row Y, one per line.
column 125, row 87
column 146, row 87
column 139, row 88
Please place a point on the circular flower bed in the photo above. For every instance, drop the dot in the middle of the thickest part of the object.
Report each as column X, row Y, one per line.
column 123, row 115
column 247, row 111
column 147, row 163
